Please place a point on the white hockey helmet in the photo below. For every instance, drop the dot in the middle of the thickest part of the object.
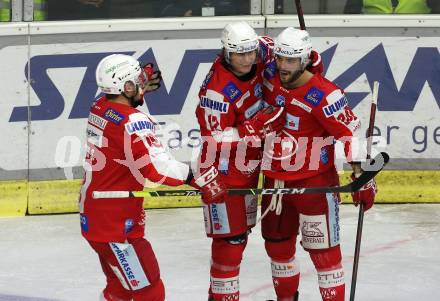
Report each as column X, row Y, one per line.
column 239, row 37
column 115, row 70
column 295, row 43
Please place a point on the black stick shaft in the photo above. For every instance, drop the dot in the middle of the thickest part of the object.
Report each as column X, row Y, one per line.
column 300, row 14
column 357, row 248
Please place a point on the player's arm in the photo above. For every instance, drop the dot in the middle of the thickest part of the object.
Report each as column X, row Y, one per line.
column 217, row 119
column 336, row 116
column 158, row 165
column 266, row 48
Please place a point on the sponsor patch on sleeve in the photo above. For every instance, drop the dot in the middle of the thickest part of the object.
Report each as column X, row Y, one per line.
column 97, row 121
column 335, row 107
column 113, row 116
column 95, row 135
column 139, row 127
column 314, row 96
column 232, row 92
column 208, row 103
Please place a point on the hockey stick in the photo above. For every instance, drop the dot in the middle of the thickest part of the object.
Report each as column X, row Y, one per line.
column 366, row 176
column 300, row 14
column 357, row 247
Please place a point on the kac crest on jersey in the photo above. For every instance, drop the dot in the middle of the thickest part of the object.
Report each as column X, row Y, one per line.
column 280, row 100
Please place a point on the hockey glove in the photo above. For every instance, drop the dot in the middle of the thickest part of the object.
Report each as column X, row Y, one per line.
column 316, row 65
column 210, row 185
column 365, row 194
column 153, row 78
column 270, row 119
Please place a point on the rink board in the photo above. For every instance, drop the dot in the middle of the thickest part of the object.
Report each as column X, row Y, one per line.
column 61, row 196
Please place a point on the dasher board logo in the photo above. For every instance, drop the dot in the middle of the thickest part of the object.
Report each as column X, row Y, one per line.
column 170, row 100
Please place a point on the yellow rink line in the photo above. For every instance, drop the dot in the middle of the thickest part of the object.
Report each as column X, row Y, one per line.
column 61, row 196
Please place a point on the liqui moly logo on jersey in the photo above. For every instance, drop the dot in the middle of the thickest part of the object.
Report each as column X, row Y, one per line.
column 139, row 126
column 331, row 109
column 205, row 102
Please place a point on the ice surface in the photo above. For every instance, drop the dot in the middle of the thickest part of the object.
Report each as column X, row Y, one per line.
column 45, row 257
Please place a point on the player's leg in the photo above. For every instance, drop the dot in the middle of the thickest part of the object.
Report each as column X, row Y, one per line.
column 131, row 269
column 279, row 233
column 228, row 225
column 155, row 290
column 227, row 254
column 319, row 220
column 117, row 288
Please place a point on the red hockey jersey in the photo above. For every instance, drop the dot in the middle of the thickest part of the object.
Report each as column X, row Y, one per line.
column 226, row 101
column 317, row 114
column 122, row 151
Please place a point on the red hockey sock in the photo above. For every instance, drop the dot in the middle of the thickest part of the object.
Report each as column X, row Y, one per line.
column 225, row 268
column 285, row 277
column 224, row 284
column 330, row 273
column 285, row 268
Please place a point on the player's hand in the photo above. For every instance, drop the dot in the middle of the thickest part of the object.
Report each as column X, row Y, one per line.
column 210, row 185
column 316, row 65
column 154, row 78
column 267, row 120
column 366, row 194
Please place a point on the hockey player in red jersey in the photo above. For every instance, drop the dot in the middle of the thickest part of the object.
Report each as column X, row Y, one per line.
column 316, row 114
column 233, row 118
column 123, row 151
